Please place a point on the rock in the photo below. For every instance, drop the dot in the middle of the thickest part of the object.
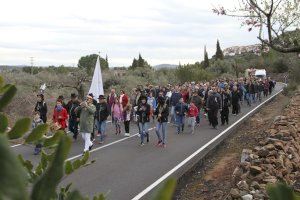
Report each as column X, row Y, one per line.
column 242, row 185
column 273, row 131
column 255, row 185
column 263, row 152
column 247, row 197
column 255, row 170
column 270, row 179
column 278, row 145
column 270, row 147
column 235, row 193
column 246, row 155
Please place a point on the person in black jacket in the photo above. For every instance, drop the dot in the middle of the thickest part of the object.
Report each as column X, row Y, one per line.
column 162, row 113
column 225, row 104
column 41, row 107
column 73, row 116
column 102, row 113
column 213, row 106
column 235, row 96
column 143, row 112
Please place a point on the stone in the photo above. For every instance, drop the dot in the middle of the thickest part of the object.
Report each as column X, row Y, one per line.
column 255, row 185
column 273, row 131
column 278, row 145
column 235, row 193
column 246, row 155
column 242, row 185
column 255, row 170
column 263, row 152
column 270, row 147
column 247, row 197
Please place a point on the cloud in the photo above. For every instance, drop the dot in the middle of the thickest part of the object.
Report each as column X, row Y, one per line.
column 163, row 31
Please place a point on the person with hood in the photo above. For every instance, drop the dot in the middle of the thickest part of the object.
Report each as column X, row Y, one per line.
column 225, row 104
column 181, row 110
column 73, row 116
column 102, row 113
column 60, row 115
column 162, row 113
column 143, row 112
column 41, row 107
column 214, row 103
column 87, row 111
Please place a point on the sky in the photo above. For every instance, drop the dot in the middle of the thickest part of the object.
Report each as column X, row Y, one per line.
column 59, row 32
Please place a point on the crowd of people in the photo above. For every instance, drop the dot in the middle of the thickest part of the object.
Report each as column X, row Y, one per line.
column 184, row 104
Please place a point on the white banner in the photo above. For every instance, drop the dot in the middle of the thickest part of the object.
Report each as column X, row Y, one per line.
column 97, row 84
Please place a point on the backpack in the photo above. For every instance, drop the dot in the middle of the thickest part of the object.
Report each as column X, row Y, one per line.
column 214, row 103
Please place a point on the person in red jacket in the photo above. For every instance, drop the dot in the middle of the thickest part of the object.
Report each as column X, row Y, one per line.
column 124, row 98
column 60, row 115
column 192, row 114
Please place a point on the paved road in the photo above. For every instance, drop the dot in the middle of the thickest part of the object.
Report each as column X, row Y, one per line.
column 123, row 169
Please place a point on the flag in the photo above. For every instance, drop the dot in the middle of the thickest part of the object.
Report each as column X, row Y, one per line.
column 97, row 84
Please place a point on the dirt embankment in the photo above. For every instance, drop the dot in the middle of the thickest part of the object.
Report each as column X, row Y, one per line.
column 212, row 178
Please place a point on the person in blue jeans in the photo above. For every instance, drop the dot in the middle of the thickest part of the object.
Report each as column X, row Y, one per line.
column 143, row 112
column 102, row 113
column 181, row 110
column 162, row 113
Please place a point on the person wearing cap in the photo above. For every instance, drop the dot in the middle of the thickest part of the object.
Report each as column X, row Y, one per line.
column 102, row 113
column 41, row 107
column 73, row 116
column 60, row 115
column 86, row 122
column 162, row 113
column 143, row 112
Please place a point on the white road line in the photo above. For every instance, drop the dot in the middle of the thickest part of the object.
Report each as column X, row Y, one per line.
column 16, row 145
column 107, row 145
column 165, row 176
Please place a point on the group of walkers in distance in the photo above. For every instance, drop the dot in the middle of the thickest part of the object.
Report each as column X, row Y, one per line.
column 186, row 104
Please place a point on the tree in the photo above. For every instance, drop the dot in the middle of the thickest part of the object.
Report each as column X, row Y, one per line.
column 139, row 63
column 277, row 17
column 206, row 61
column 88, row 63
column 219, row 52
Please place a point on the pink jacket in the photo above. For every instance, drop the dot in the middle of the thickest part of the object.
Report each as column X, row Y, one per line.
column 117, row 111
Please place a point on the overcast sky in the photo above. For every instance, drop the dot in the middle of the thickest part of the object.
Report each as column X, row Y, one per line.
column 164, row 31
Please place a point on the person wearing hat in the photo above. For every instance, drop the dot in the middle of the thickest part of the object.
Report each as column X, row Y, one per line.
column 41, row 107
column 162, row 113
column 73, row 116
column 143, row 112
column 102, row 113
column 86, row 122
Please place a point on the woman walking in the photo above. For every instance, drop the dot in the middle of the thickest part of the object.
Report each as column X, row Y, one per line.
column 60, row 115
column 127, row 117
column 117, row 113
column 162, row 113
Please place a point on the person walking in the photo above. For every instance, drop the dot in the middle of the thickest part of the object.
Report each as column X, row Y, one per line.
column 102, row 113
column 127, row 117
column 117, row 113
column 87, row 111
column 198, row 103
column 193, row 112
column 181, row 110
column 162, row 113
column 225, row 104
column 60, row 115
column 36, row 122
column 143, row 112
column 73, row 116
column 152, row 102
column 214, row 103
column 176, row 95
column 235, row 100
column 41, row 107
column 111, row 100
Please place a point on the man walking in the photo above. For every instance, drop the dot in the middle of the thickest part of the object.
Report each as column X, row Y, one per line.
column 143, row 112
column 102, row 113
column 181, row 110
column 162, row 113
column 73, row 116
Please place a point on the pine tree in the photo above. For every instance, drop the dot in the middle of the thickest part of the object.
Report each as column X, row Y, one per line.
column 134, row 64
column 219, row 52
column 206, row 61
column 106, row 59
column 140, row 61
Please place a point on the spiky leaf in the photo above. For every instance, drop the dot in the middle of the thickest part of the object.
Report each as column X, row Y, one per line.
column 37, row 133
column 166, row 192
column 7, row 96
column 281, row 191
column 68, row 167
column 13, row 176
column 75, row 195
column 3, row 122
column 53, row 140
column 45, row 187
column 20, row 128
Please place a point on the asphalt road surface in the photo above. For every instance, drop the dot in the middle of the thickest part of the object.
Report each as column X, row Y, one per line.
column 125, row 170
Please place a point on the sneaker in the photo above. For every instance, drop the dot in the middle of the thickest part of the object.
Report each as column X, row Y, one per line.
column 90, row 147
column 100, row 142
column 142, row 144
column 37, row 151
column 159, row 143
column 139, row 135
column 127, row 134
column 98, row 134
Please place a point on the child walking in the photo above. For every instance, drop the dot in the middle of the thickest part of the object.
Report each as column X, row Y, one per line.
column 37, row 121
column 127, row 116
column 192, row 114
